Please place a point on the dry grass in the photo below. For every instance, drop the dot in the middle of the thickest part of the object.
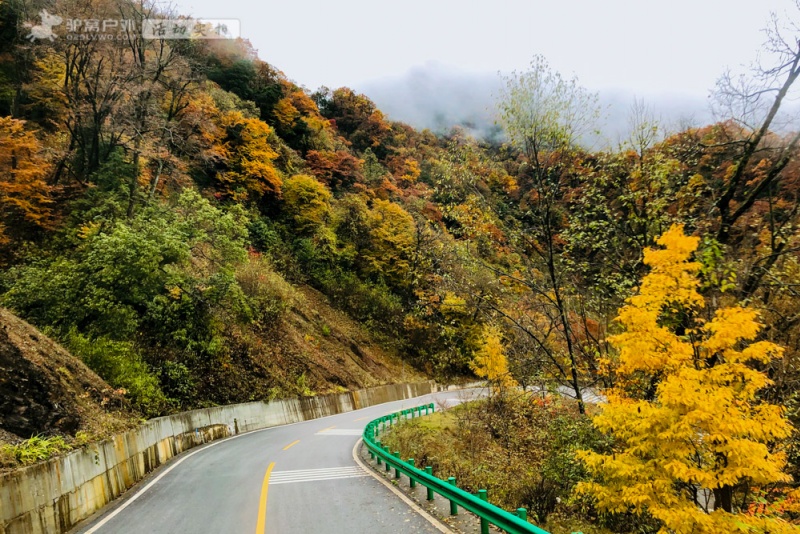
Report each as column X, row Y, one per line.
column 521, row 449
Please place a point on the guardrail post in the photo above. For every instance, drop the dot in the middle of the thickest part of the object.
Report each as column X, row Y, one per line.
column 484, row 496
column 429, row 471
column 453, row 505
column 413, row 483
column 522, row 513
column 386, row 449
column 432, row 408
column 397, row 469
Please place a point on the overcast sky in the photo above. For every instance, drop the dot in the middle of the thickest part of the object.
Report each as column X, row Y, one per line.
column 635, row 47
column 640, row 45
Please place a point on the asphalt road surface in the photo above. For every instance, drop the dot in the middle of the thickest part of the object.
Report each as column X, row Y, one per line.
column 299, row 478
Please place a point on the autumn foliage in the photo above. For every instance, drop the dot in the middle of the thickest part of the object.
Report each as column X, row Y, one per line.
column 337, row 169
column 693, row 437
column 164, row 203
column 490, row 360
column 248, row 156
column 24, row 193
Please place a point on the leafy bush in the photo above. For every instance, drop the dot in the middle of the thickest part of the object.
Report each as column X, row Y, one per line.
column 156, row 288
column 178, row 384
column 122, row 367
column 375, row 305
column 267, row 293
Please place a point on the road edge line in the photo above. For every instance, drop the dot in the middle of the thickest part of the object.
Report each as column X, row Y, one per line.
column 414, row 506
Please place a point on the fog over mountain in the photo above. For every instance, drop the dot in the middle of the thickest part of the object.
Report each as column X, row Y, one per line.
column 439, row 97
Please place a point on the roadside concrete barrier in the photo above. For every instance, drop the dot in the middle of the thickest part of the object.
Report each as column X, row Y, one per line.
column 53, row 496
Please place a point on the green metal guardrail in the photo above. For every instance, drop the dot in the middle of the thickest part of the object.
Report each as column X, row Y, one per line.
column 478, row 505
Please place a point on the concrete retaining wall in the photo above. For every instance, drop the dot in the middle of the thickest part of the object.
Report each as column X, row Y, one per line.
column 53, row 496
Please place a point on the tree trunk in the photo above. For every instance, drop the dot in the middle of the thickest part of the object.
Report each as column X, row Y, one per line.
column 154, row 183
column 723, row 498
column 134, row 179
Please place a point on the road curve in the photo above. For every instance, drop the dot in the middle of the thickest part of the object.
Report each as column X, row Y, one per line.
column 298, row 478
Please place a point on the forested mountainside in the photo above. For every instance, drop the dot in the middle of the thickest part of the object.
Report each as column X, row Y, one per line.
column 165, row 203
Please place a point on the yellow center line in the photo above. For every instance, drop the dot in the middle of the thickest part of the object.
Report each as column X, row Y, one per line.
column 361, row 418
column 261, row 524
column 292, row 444
column 329, row 428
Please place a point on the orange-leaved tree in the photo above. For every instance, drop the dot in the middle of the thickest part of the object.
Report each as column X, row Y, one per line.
column 693, row 440
column 24, row 194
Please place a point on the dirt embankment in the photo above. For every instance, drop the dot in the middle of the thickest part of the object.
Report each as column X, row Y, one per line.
column 46, row 390
column 332, row 351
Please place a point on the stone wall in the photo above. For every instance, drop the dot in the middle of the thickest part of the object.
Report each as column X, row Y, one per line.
column 53, row 496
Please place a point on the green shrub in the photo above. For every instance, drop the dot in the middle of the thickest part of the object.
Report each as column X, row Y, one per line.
column 122, row 367
column 375, row 305
column 268, row 294
column 35, row 449
column 178, row 384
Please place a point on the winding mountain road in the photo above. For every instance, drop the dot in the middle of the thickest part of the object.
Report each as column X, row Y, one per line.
column 298, row 478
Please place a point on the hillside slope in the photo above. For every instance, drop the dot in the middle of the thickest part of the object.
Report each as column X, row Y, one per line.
column 46, row 390
column 319, row 349
column 316, row 349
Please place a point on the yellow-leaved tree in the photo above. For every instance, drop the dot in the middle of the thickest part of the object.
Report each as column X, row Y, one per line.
column 490, row 359
column 249, row 156
column 693, row 441
column 308, row 202
column 392, row 239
